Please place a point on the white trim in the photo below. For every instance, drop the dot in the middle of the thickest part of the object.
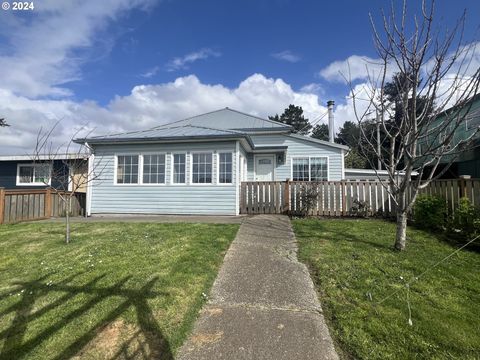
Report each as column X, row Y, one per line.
column 88, row 200
column 218, row 167
column 237, row 176
column 172, row 158
column 343, row 165
column 115, row 166
column 309, row 157
column 191, row 167
column 19, row 165
column 255, row 165
column 140, row 170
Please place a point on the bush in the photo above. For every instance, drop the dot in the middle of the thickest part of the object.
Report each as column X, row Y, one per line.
column 466, row 218
column 430, row 212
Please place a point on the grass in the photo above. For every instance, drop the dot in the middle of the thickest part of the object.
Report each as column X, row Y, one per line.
column 354, row 268
column 119, row 290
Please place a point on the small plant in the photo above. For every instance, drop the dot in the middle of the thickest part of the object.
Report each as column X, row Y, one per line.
column 360, row 208
column 307, row 200
column 466, row 218
column 430, row 212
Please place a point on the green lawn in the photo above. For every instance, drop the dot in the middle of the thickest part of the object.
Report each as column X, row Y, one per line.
column 354, row 267
column 119, row 290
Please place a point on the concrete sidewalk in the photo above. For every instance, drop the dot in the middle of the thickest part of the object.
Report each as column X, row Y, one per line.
column 263, row 304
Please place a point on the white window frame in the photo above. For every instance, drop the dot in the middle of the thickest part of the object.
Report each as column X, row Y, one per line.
column 19, row 165
column 309, row 172
column 172, row 164
column 141, row 170
column 140, row 166
column 218, row 167
column 213, row 153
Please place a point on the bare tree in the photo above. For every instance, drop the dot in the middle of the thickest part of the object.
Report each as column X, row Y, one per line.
column 72, row 173
column 434, row 81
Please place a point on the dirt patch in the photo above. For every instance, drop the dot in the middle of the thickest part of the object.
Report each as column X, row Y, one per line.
column 106, row 343
column 213, row 311
column 202, row 339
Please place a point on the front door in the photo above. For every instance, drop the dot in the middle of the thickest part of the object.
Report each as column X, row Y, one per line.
column 264, row 167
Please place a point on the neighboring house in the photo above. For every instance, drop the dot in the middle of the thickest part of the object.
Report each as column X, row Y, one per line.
column 22, row 172
column 196, row 165
column 468, row 161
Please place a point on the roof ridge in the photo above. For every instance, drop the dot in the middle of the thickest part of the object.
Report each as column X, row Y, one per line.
column 222, row 109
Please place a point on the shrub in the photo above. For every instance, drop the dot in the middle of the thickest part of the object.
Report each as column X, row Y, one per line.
column 429, row 212
column 466, row 218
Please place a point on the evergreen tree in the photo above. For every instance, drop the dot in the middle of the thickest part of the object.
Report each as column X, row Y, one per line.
column 293, row 115
column 320, row 132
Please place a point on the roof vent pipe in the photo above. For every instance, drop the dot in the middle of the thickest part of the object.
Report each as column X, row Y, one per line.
column 331, row 121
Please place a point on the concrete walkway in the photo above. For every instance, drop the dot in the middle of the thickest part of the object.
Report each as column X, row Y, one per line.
column 263, row 304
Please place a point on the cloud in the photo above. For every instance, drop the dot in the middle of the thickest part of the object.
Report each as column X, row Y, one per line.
column 146, row 106
column 46, row 51
column 353, row 68
column 314, row 88
column 179, row 63
column 151, row 72
column 287, row 55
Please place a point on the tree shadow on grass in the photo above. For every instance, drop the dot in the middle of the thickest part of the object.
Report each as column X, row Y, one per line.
column 149, row 340
column 311, row 231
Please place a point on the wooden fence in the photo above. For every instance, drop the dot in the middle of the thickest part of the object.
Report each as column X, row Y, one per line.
column 24, row 205
column 342, row 198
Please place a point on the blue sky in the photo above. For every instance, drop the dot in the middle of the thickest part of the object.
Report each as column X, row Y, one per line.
column 121, row 65
column 244, row 35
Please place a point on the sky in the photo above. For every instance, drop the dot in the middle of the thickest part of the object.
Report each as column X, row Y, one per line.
column 121, row 65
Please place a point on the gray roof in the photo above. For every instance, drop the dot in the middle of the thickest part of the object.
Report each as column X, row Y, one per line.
column 233, row 120
column 322, row 142
column 170, row 132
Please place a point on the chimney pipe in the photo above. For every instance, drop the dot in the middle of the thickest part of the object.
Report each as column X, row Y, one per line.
column 331, row 122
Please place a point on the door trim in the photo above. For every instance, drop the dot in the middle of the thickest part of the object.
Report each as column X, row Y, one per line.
column 255, row 164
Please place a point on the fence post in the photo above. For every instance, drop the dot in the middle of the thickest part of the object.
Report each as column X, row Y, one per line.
column 286, row 197
column 463, row 189
column 2, row 204
column 48, row 203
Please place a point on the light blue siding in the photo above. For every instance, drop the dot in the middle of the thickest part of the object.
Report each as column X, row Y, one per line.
column 297, row 147
column 108, row 197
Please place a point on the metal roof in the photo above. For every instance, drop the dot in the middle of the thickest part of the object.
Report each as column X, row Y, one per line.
column 170, row 133
column 233, row 120
column 224, row 123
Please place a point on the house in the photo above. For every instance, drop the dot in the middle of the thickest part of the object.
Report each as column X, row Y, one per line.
column 42, row 171
column 468, row 161
column 196, row 165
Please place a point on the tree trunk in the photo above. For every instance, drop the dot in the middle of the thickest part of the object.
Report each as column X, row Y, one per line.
column 401, row 236
column 67, row 221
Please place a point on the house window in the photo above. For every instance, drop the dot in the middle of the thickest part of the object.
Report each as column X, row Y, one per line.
column 154, row 169
column 318, row 169
column 300, row 169
column 310, row 169
column 179, row 168
column 127, row 169
column 33, row 174
column 225, row 168
column 202, row 168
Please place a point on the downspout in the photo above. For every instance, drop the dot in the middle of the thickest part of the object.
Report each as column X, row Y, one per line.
column 237, row 178
column 88, row 200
